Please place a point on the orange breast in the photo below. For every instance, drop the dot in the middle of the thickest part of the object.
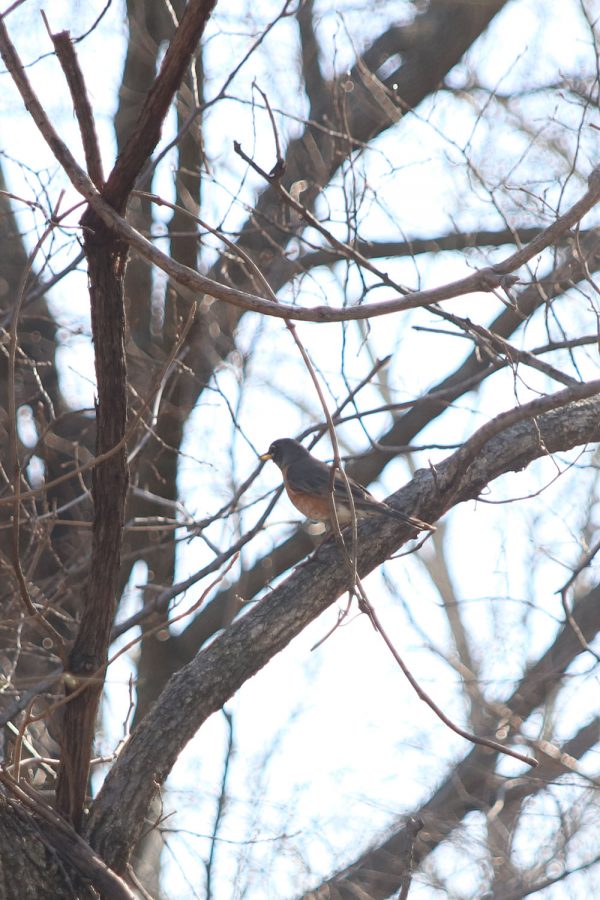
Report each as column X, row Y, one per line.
column 318, row 508
column 315, row 508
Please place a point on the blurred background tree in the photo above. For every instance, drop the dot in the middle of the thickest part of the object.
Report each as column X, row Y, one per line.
column 333, row 156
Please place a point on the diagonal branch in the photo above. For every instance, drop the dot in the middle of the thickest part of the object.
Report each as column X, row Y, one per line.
column 206, row 683
column 146, row 132
column 367, row 468
column 484, row 280
column 487, row 279
column 81, row 104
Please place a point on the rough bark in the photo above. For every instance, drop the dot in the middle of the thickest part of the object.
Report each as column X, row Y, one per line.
column 469, row 375
column 106, row 266
column 203, row 686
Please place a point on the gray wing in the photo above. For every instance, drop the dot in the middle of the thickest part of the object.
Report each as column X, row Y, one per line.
column 316, row 479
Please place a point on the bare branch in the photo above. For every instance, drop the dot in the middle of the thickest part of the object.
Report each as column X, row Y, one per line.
column 146, row 133
column 81, row 104
column 484, row 280
column 202, row 686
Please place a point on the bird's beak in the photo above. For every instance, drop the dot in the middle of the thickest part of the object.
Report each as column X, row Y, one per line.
column 265, row 456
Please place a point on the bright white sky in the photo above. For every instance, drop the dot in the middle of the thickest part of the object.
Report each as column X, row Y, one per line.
column 332, row 746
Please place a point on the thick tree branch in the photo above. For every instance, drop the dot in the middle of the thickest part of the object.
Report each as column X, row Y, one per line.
column 107, row 259
column 205, row 684
column 65, row 842
column 368, row 467
column 106, row 265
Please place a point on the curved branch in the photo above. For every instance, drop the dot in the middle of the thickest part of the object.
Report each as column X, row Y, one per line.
column 218, row 613
column 206, row 683
column 484, row 280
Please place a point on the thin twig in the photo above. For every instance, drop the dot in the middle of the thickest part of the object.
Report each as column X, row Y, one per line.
column 424, row 696
column 78, row 684
column 586, row 561
column 17, row 497
column 221, row 804
column 135, row 420
column 484, row 280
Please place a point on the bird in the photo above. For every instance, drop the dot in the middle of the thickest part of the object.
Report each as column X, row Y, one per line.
column 308, row 482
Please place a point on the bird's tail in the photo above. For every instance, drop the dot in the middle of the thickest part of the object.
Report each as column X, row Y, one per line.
column 410, row 520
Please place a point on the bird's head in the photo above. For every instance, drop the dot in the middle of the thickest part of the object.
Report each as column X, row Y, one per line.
column 284, row 451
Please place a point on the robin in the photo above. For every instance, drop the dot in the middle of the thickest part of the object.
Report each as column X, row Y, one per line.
column 308, row 483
